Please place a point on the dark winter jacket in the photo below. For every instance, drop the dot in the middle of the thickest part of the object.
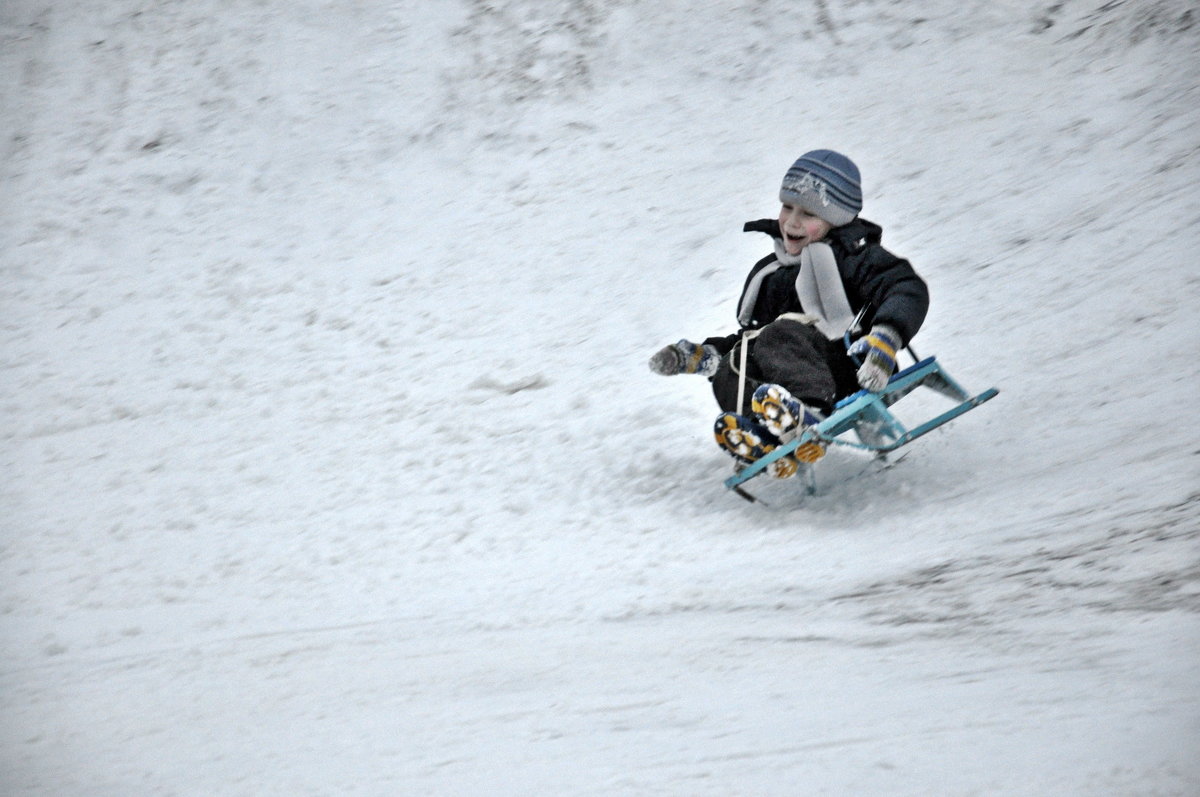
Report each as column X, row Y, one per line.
column 874, row 278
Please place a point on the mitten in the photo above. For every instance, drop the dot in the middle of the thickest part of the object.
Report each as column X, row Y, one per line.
column 878, row 353
column 685, row 357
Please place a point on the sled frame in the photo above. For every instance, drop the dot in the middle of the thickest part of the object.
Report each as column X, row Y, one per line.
column 869, row 416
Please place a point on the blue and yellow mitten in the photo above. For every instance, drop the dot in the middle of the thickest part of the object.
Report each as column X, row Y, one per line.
column 878, row 352
column 685, row 357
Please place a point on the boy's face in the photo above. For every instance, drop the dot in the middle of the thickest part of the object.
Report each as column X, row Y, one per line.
column 800, row 228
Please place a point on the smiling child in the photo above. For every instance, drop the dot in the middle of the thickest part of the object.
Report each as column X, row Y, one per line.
column 801, row 344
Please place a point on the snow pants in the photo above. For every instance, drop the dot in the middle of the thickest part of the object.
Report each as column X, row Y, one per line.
column 793, row 354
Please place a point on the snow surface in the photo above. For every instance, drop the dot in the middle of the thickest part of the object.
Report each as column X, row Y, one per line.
column 332, row 464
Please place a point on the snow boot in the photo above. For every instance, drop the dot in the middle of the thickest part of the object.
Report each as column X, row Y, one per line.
column 748, row 441
column 786, row 417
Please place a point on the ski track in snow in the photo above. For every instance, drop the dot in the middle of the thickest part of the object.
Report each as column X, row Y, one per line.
column 331, row 463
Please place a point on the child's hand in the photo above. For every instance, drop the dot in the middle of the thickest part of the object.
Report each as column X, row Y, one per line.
column 685, row 357
column 878, row 350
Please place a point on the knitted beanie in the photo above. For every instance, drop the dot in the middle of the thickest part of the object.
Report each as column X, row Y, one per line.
column 826, row 184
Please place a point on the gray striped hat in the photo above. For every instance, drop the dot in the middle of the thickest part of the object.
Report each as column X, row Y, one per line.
column 826, row 184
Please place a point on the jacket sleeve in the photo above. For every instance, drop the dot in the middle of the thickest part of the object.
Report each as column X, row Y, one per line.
column 894, row 292
column 723, row 343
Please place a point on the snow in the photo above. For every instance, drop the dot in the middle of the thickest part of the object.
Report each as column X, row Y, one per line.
column 332, row 464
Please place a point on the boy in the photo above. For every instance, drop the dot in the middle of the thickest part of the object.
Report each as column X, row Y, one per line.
column 828, row 279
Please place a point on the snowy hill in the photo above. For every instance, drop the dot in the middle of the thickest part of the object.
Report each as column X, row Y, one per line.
column 332, row 464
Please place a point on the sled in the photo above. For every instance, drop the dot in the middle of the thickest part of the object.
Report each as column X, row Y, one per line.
column 869, row 416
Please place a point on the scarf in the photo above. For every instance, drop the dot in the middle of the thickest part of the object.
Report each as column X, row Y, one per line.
column 818, row 287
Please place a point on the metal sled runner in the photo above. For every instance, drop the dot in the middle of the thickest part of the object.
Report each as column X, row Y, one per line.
column 869, row 416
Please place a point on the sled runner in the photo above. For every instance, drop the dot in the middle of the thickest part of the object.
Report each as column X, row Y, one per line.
column 869, row 416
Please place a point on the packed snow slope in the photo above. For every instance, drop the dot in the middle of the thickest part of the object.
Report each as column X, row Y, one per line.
column 332, row 464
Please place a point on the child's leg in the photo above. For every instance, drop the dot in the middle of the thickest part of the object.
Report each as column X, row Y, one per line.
column 796, row 356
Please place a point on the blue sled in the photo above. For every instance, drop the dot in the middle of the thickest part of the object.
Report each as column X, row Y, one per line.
column 868, row 415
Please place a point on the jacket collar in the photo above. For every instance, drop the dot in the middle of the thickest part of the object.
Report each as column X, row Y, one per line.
column 847, row 238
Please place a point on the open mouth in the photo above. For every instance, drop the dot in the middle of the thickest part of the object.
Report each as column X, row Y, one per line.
column 793, row 241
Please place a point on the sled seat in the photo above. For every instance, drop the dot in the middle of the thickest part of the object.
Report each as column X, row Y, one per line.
column 869, row 416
